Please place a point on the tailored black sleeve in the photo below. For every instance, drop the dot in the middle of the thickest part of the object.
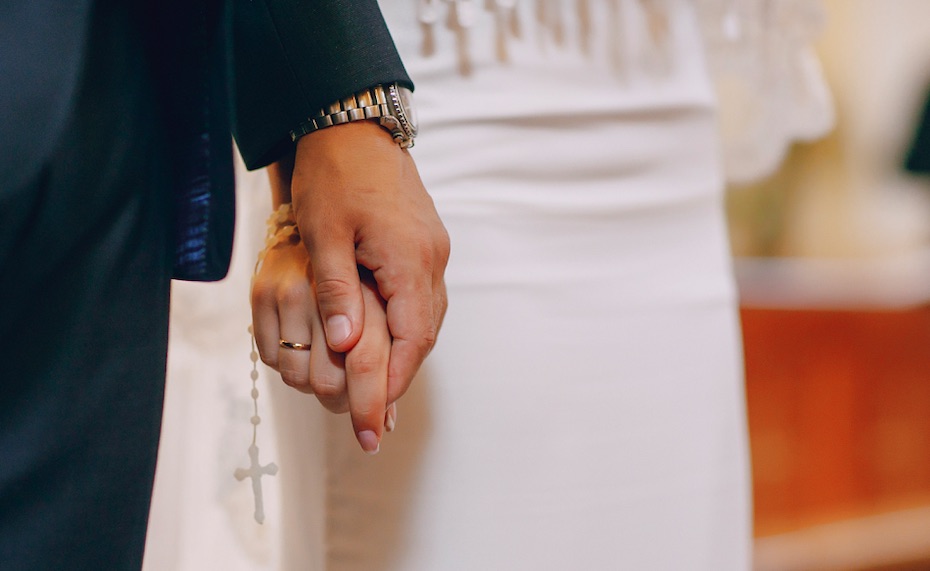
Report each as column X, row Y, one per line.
column 292, row 57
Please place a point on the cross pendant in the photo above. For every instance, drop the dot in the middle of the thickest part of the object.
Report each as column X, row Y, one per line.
column 256, row 471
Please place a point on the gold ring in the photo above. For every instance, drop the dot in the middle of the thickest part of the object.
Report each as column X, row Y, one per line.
column 297, row 346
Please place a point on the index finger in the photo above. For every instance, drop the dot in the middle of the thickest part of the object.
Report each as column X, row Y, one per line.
column 410, row 318
column 366, row 369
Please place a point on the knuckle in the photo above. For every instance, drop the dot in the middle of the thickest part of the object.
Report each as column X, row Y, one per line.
column 426, row 253
column 428, row 340
column 364, row 364
column 365, row 411
column 270, row 360
column 333, row 290
column 424, row 343
column 294, row 378
column 326, row 387
column 423, row 248
column 434, row 245
column 389, row 281
column 443, row 246
column 262, row 293
column 292, row 294
column 427, row 337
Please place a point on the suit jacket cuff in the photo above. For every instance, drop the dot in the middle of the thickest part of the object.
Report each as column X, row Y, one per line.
column 292, row 57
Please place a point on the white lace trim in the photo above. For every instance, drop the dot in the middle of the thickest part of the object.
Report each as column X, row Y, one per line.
column 770, row 86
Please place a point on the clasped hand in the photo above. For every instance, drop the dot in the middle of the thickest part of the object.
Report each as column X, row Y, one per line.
column 364, row 286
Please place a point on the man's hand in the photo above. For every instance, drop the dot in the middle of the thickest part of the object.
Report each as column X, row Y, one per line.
column 359, row 202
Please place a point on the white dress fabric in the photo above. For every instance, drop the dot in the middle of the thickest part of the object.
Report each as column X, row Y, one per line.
column 201, row 517
column 584, row 406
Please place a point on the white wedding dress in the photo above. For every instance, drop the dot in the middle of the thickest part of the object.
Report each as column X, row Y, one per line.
column 584, row 406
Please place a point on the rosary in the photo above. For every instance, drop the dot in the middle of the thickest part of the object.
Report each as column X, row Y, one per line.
column 282, row 227
column 255, row 471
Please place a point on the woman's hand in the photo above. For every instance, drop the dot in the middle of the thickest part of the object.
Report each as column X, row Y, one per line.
column 284, row 306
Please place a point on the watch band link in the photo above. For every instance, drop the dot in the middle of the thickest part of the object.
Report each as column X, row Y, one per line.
column 369, row 103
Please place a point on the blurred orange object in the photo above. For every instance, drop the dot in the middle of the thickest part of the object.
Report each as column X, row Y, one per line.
column 839, row 414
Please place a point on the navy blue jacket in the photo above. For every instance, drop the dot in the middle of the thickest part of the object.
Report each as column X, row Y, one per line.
column 255, row 68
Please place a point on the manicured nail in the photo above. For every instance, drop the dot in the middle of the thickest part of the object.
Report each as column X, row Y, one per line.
column 369, row 441
column 338, row 329
column 390, row 418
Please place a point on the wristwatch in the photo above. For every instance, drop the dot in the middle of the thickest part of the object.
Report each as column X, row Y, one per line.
column 391, row 105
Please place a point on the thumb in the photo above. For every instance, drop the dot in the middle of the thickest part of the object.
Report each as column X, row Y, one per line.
column 338, row 291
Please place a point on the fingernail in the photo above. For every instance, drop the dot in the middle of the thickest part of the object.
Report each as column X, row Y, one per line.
column 369, row 441
column 390, row 418
column 338, row 329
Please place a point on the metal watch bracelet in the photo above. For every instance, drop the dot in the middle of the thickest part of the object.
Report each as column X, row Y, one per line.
column 369, row 103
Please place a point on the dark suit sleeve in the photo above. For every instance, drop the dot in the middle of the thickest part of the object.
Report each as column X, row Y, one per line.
column 292, row 57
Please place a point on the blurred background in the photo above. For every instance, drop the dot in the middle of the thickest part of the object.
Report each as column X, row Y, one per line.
column 833, row 264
